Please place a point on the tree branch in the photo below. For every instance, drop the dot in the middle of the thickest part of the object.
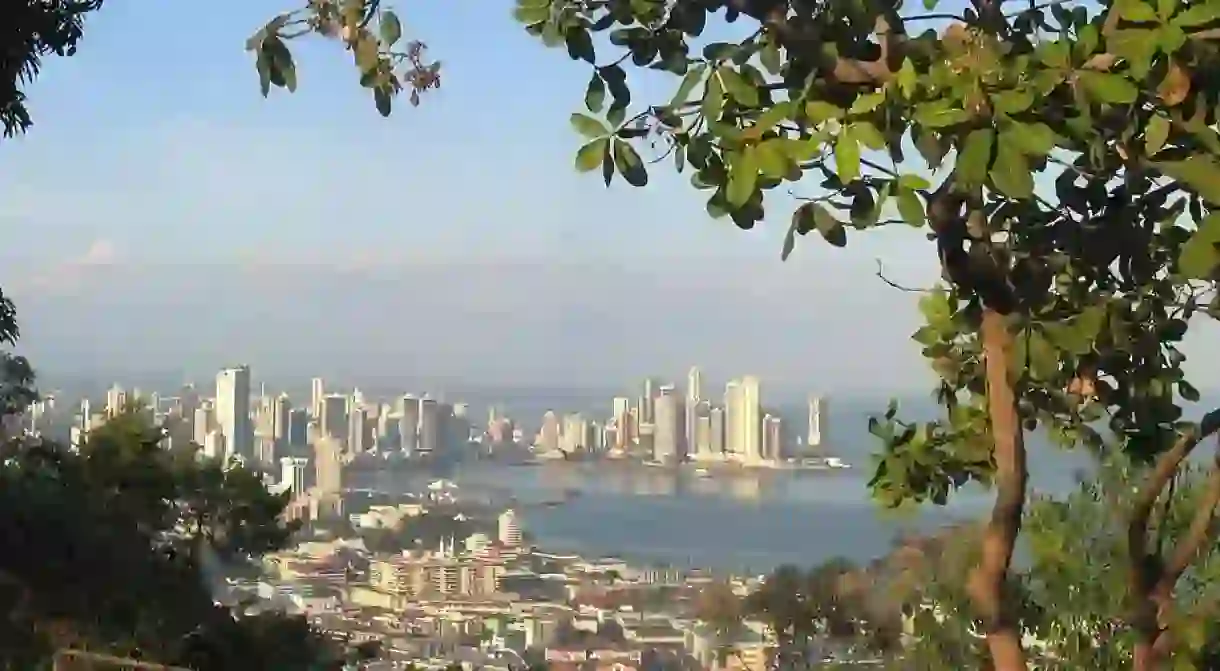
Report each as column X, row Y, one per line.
column 1164, row 470
column 1200, row 532
column 900, row 287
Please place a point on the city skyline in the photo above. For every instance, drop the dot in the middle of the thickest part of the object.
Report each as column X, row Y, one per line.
column 142, row 237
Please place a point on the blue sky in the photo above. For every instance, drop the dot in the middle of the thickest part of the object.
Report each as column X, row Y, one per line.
column 161, row 215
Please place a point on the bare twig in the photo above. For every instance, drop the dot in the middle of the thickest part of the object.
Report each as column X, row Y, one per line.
column 895, row 285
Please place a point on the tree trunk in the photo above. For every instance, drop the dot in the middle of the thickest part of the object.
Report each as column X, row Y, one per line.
column 988, row 580
column 1153, row 579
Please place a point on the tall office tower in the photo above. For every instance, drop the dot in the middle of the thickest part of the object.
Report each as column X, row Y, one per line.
column 703, row 438
column 333, row 421
column 116, row 400
column 233, row 411
column 694, row 394
column 647, row 401
column 293, row 474
column 509, row 529
column 298, row 427
column 620, row 412
column 734, row 410
column 357, row 431
column 772, row 438
column 204, row 423
column 429, row 425
column 317, row 391
column 751, row 418
column 716, row 419
column 214, row 444
column 574, row 434
column 387, row 426
column 548, row 436
column 188, row 402
column 328, row 464
column 817, row 406
column 667, row 439
column 281, row 418
column 408, row 424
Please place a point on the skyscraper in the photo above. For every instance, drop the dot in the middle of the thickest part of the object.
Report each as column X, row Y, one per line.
column 317, row 390
column 233, row 411
column 817, row 406
column 333, row 420
column 667, row 441
column 408, row 425
column 733, row 418
column 694, row 394
column 751, row 419
column 429, row 426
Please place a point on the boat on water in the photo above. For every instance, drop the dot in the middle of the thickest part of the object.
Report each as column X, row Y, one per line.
column 703, row 473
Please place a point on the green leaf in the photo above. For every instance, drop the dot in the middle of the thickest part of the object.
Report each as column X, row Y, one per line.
column 772, row 158
column 975, row 157
column 1201, row 173
column 588, row 126
column 908, row 79
column 911, row 208
column 868, row 135
column 831, row 229
column 390, row 27
column 738, row 87
column 1156, row 133
column 1107, row 87
column 1010, row 173
column 940, row 114
column 867, row 102
column 936, row 308
column 1032, row 139
column 819, row 111
column 1043, row 359
column 590, row 156
column 1200, row 257
column 1135, row 10
column 383, row 101
column 847, row 157
column 580, row 45
column 913, row 182
column 1201, row 13
column 532, row 15
column 689, row 81
column 595, row 93
column 743, row 176
column 713, row 98
column 629, row 164
column 769, row 119
column 770, row 58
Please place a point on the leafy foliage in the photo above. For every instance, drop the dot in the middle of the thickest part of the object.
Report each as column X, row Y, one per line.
column 16, row 376
column 29, row 31
column 1062, row 158
column 1107, row 111
column 387, row 64
column 115, row 541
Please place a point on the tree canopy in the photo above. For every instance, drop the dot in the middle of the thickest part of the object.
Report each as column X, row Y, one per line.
column 1061, row 157
column 118, row 541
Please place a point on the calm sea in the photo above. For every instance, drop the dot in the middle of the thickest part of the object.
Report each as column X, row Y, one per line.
column 748, row 521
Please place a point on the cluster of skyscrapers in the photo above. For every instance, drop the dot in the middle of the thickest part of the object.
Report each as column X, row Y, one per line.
column 307, row 445
column 665, row 425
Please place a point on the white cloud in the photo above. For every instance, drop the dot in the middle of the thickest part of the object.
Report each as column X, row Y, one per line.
column 73, row 274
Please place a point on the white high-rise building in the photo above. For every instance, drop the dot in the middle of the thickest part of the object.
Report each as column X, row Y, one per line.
column 751, row 419
column 667, row 442
column 733, row 415
column 509, row 529
column 233, row 412
column 694, row 394
column 817, row 406
column 293, row 472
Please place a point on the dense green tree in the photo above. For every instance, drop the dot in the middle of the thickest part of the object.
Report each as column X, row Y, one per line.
column 1061, row 157
column 118, row 541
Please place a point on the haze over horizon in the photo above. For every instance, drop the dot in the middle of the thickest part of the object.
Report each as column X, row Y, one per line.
column 188, row 224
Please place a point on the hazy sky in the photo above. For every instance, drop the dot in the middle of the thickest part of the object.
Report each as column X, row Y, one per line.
column 162, row 216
